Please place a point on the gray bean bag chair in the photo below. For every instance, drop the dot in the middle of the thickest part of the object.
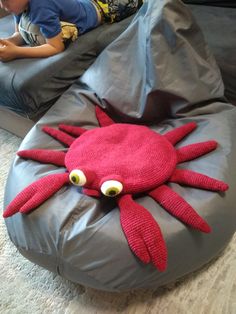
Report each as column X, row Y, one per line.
column 29, row 87
column 160, row 72
column 219, row 28
column 217, row 3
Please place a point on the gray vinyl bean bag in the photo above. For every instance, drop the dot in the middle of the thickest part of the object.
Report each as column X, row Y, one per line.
column 219, row 29
column 30, row 86
column 159, row 71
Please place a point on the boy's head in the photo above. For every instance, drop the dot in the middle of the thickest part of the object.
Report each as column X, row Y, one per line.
column 14, row 6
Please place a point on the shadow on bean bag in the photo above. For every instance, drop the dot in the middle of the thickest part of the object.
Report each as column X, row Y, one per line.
column 158, row 71
column 219, row 28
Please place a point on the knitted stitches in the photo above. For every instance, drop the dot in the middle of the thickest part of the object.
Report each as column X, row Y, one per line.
column 130, row 159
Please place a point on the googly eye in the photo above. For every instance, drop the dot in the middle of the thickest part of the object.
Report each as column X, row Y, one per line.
column 77, row 177
column 111, row 188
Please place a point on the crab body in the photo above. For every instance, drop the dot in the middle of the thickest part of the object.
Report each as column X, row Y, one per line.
column 141, row 158
column 121, row 161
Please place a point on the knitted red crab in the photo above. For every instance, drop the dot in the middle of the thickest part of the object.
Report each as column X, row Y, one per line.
column 122, row 160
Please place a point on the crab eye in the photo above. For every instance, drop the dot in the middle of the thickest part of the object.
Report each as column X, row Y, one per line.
column 77, row 177
column 111, row 188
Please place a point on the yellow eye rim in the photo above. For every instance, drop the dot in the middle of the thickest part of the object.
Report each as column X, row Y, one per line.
column 77, row 177
column 111, row 188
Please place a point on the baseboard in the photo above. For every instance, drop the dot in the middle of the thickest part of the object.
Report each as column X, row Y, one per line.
column 15, row 123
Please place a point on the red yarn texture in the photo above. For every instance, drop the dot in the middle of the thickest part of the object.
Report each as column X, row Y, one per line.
column 36, row 193
column 142, row 160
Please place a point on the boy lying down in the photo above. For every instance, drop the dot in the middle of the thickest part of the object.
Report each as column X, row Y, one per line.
column 38, row 23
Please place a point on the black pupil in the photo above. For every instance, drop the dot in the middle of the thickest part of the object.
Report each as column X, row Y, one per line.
column 74, row 179
column 112, row 192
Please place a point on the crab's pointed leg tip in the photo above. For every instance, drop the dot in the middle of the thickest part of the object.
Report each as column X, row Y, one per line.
column 161, row 262
column 224, row 187
column 204, row 227
column 142, row 253
column 47, row 129
column 214, row 143
column 221, row 186
column 145, row 259
column 22, row 153
column 161, row 266
column 7, row 214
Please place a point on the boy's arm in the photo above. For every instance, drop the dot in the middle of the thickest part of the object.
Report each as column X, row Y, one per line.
column 10, row 51
column 16, row 37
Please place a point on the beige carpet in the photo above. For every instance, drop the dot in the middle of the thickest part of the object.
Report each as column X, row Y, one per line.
column 28, row 288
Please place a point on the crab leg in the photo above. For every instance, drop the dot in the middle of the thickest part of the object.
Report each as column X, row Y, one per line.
column 179, row 208
column 73, row 130
column 142, row 232
column 175, row 135
column 59, row 135
column 198, row 180
column 194, row 151
column 36, row 193
column 102, row 117
column 44, row 155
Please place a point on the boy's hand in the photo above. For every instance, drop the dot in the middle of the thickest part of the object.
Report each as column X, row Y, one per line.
column 8, row 51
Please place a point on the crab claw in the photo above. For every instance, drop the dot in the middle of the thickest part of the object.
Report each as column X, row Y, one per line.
column 179, row 208
column 142, row 232
column 36, row 193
